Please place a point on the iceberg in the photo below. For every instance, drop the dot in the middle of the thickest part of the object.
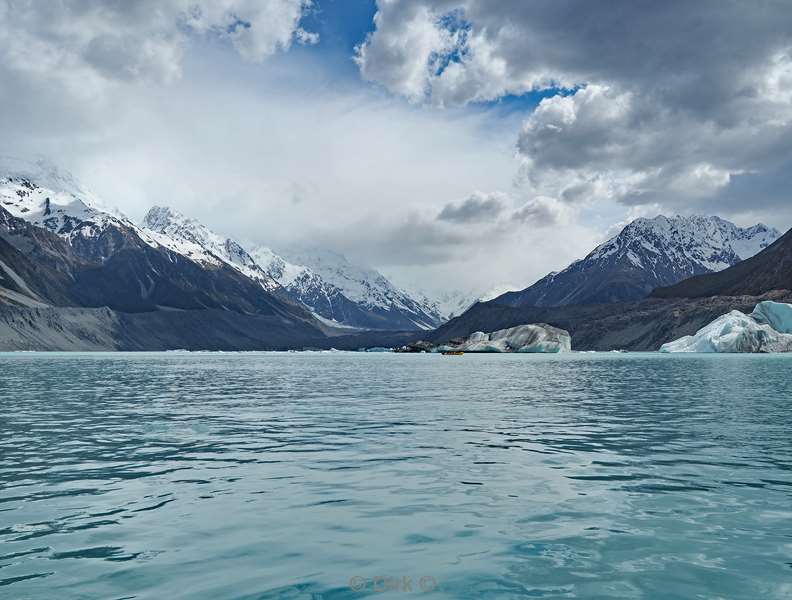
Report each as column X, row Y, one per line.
column 767, row 329
column 539, row 338
column 776, row 314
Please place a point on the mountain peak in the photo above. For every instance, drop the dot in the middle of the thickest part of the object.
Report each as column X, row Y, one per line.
column 648, row 253
column 769, row 270
column 46, row 197
column 197, row 242
column 159, row 218
column 338, row 289
column 41, row 172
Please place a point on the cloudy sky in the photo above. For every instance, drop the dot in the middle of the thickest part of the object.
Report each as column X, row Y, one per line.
column 454, row 144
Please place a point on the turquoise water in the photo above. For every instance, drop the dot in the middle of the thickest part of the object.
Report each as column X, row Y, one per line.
column 334, row 475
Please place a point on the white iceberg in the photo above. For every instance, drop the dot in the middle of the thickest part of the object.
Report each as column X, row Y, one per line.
column 767, row 329
column 538, row 338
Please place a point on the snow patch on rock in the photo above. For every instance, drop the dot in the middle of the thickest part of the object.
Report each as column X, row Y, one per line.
column 51, row 199
column 366, row 287
column 197, row 242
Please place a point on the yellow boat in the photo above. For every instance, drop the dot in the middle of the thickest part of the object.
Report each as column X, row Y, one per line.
column 453, row 353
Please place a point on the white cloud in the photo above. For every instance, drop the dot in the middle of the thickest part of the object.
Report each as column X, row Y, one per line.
column 403, row 56
column 257, row 28
column 429, row 51
column 82, row 43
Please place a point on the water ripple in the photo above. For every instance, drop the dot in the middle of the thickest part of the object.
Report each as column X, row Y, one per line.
column 301, row 475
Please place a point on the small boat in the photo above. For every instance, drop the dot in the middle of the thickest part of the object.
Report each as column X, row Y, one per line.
column 453, row 353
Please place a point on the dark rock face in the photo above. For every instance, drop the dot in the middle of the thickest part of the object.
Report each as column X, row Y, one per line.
column 647, row 254
column 769, row 270
column 118, row 270
column 27, row 256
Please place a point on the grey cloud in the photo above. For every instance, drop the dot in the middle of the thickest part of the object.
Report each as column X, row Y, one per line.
column 412, row 240
column 439, row 255
column 540, row 212
column 481, row 211
column 477, row 208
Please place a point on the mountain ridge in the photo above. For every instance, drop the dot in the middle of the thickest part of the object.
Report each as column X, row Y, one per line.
column 769, row 270
column 366, row 287
column 644, row 255
column 338, row 292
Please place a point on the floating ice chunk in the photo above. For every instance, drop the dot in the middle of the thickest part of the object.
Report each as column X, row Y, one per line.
column 523, row 338
column 738, row 332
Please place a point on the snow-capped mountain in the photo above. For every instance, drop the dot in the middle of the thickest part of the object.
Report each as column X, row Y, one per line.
column 346, row 293
column 46, row 197
column 448, row 304
column 647, row 254
column 768, row 271
column 452, row 303
column 197, row 242
column 60, row 247
column 333, row 289
column 325, row 300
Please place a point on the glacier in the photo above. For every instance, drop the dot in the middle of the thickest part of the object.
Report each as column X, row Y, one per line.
column 767, row 329
column 535, row 338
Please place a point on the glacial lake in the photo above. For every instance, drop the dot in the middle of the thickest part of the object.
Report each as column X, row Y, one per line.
column 343, row 475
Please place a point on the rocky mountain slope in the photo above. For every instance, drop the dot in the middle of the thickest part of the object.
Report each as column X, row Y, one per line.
column 58, row 250
column 647, row 254
column 327, row 284
column 197, row 242
column 769, row 270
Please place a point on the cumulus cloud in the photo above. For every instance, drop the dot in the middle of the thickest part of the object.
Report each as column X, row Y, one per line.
column 408, row 49
column 439, row 51
column 81, row 43
column 662, row 103
column 604, row 144
column 512, row 46
column 257, row 28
